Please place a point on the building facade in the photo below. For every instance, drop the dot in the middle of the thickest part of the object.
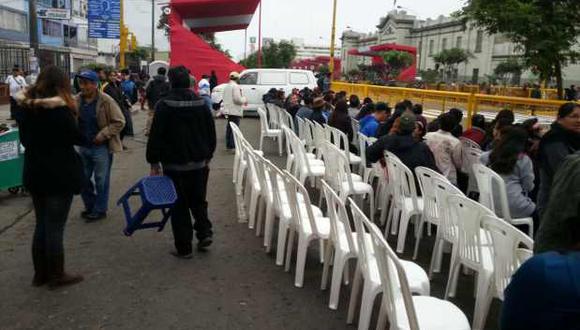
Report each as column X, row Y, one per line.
column 63, row 43
column 306, row 51
column 431, row 36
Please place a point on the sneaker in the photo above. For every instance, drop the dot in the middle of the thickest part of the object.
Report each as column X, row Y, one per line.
column 181, row 256
column 95, row 216
column 204, row 243
column 85, row 214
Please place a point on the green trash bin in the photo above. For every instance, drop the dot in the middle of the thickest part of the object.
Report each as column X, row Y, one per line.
column 11, row 161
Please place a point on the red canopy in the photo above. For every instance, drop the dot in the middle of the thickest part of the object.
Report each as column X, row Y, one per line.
column 193, row 52
column 407, row 74
column 215, row 15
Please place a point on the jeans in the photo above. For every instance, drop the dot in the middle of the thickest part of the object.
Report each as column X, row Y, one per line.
column 97, row 162
column 191, row 187
column 229, row 134
column 47, row 248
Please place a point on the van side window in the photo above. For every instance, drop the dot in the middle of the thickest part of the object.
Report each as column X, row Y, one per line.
column 298, row 78
column 250, row 78
column 272, row 78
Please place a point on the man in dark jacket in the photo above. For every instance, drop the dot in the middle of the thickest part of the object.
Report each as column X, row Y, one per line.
column 156, row 89
column 411, row 152
column 182, row 142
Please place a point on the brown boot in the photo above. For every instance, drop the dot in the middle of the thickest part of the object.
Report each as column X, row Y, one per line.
column 57, row 276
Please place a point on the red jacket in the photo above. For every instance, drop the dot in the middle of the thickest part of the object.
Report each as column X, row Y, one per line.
column 475, row 134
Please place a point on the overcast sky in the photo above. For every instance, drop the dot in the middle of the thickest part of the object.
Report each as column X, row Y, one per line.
column 286, row 19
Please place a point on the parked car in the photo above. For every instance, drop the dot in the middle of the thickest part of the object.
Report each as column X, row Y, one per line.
column 257, row 82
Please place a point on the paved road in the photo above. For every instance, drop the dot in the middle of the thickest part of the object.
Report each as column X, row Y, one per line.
column 134, row 283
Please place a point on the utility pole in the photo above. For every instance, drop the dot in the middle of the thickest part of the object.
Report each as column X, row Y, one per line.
column 332, row 40
column 123, row 38
column 33, row 33
column 260, row 37
column 152, row 30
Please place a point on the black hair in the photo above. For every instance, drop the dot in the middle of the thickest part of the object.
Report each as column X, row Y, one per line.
column 400, row 108
column 365, row 110
column 418, row 109
column 478, row 121
column 125, row 71
column 367, row 100
column 566, row 109
column 506, row 115
column 354, row 101
column 506, row 153
column 382, row 106
column 408, row 105
column 178, row 77
column 457, row 114
column 447, row 122
column 162, row 71
column 308, row 99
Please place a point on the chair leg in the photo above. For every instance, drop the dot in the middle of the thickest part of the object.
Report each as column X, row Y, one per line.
column 382, row 321
column 289, row 249
column 482, row 304
column 354, row 294
column 452, row 278
column 282, row 232
column 434, row 256
column 261, row 141
column 418, row 236
column 321, row 250
column 372, row 206
column 326, row 268
column 301, row 260
column 403, row 226
column 253, row 206
column 366, row 307
column 268, row 227
column 346, row 274
column 335, row 284
column 280, row 141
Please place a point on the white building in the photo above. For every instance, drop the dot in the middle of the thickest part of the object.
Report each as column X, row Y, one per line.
column 304, row 51
column 434, row 35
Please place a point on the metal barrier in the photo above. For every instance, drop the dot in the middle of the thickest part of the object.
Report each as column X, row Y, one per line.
column 440, row 101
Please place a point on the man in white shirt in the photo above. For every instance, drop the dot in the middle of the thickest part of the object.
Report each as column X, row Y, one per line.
column 446, row 148
column 16, row 83
column 233, row 106
column 203, row 88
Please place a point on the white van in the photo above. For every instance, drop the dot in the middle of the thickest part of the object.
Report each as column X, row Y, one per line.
column 257, row 82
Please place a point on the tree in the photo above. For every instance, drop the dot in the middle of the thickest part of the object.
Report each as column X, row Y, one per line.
column 545, row 30
column 450, row 59
column 275, row 55
column 396, row 62
column 139, row 54
column 511, row 71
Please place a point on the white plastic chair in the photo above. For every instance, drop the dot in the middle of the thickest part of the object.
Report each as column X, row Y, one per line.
column 471, row 152
column 492, row 191
column 355, row 129
column 369, row 173
column 425, row 176
column 285, row 119
column 511, row 248
column 399, row 306
column 273, row 122
column 386, row 192
column 305, row 165
column 340, row 140
column 368, row 270
column 305, row 224
column 447, row 229
column 266, row 132
column 472, row 249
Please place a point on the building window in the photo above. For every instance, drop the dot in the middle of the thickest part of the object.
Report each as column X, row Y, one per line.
column 475, row 76
column 51, row 29
column 431, row 46
column 444, row 44
column 10, row 20
column 479, row 42
column 458, row 42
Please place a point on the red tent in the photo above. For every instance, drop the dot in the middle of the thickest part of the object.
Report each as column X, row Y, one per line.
column 189, row 17
column 408, row 74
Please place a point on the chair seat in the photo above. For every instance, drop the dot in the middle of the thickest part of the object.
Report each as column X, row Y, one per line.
column 314, row 170
column 272, row 132
column 358, row 187
column 322, row 224
column 409, row 203
column 286, row 213
column 433, row 314
column 354, row 159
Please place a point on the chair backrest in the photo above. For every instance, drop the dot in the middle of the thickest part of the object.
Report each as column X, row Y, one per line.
column 470, row 155
column 443, row 189
column 467, row 214
column 397, row 298
column 337, row 167
column 425, row 176
column 407, row 181
column 299, row 152
column 301, row 212
column 468, row 144
column 355, row 128
column 257, row 172
column 365, row 250
column 272, row 115
column 507, row 243
column 492, row 191
column 300, row 129
column 308, row 132
column 264, row 126
column 288, row 136
column 318, row 133
column 338, row 216
column 363, row 142
column 286, row 119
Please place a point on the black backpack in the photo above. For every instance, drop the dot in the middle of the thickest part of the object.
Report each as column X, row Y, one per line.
column 156, row 90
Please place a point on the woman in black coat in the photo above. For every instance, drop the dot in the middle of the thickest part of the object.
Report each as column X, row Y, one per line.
column 53, row 171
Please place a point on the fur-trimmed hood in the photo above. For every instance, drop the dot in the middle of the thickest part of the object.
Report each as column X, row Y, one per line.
column 49, row 102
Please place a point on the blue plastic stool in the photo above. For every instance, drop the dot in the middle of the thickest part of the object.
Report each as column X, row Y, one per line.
column 157, row 193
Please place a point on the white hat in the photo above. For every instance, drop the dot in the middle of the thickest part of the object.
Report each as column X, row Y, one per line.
column 234, row 75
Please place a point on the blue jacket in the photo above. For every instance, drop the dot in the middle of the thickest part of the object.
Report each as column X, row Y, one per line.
column 544, row 293
column 369, row 126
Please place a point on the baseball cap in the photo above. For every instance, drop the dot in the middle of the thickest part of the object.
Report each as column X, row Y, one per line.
column 89, row 75
column 234, row 75
column 407, row 122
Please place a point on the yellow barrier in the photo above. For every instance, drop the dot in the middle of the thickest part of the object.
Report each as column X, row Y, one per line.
column 443, row 100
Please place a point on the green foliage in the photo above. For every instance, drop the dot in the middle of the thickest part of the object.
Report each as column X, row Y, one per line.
column 211, row 40
column 275, row 55
column 429, row 76
column 510, row 70
column 546, row 31
column 95, row 66
column 136, row 56
column 396, row 62
column 450, row 59
column 163, row 23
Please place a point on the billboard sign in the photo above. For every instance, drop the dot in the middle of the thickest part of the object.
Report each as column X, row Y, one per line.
column 53, row 13
column 104, row 18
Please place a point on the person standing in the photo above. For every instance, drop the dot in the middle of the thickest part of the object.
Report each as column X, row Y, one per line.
column 154, row 91
column 101, row 121
column 16, row 83
column 213, row 81
column 204, row 90
column 562, row 140
column 53, row 171
column 181, row 145
column 233, row 106
column 446, row 148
